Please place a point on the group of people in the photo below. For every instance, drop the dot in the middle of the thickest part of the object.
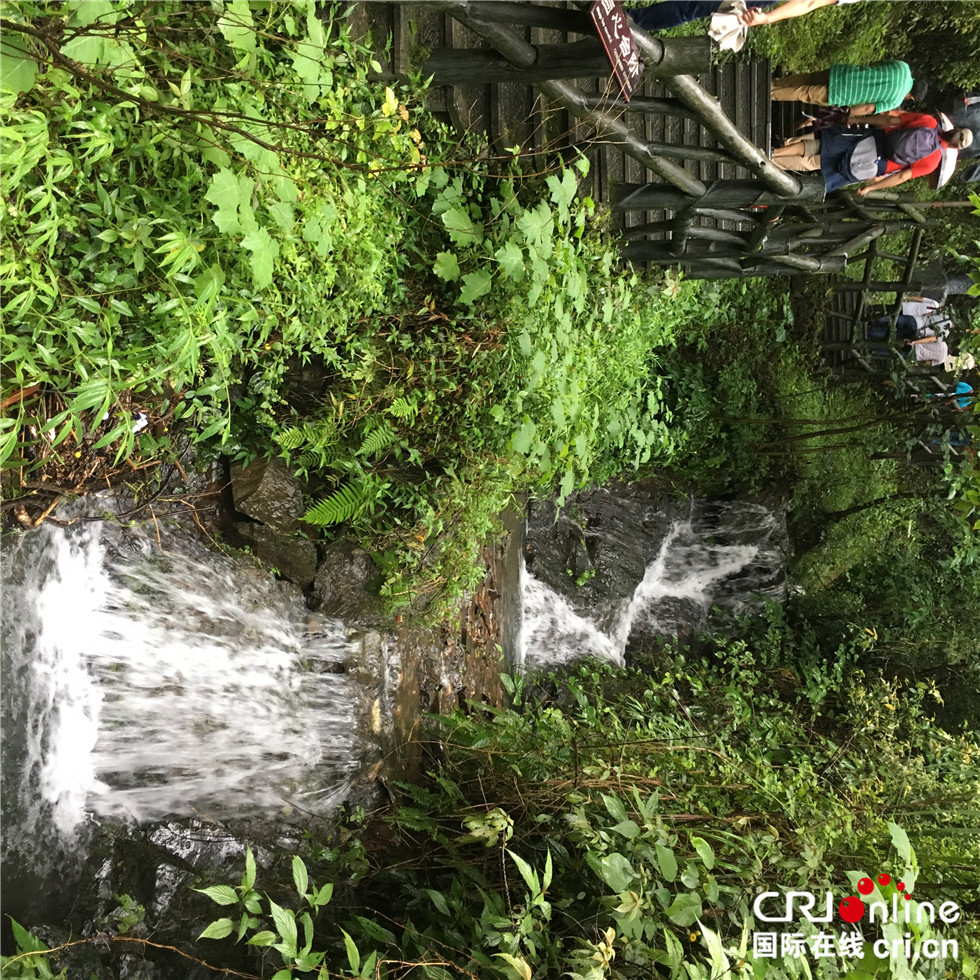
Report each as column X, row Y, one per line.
column 925, row 328
column 870, row 141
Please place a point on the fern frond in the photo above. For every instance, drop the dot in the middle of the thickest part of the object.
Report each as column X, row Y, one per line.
column 403, row 408
column 342, row 505
column 314, row 435
column 318, row 458
column 291, row 438
column 378, row 437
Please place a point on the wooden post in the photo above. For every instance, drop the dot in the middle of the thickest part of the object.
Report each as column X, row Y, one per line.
column 519, row 52
column 640, row 103
column 859, row 241
column 708, row 110
column 455, row 66
column 662, row 253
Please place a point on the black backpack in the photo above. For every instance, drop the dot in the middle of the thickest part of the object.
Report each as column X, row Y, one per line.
column 906, row 146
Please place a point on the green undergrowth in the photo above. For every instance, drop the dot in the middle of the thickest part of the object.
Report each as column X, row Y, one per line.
column 621, row 824
column 938, row 39
column 204, row 201
column 755, row 410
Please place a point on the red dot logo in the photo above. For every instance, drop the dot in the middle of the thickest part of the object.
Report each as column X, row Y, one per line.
column 866, row 886
column 851, row 909
column 884, row 878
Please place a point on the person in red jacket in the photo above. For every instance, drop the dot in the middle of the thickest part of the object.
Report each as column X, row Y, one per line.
column 958, row 138
column 858, row 154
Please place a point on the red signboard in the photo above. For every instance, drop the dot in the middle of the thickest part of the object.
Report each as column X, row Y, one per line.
column 613, row 28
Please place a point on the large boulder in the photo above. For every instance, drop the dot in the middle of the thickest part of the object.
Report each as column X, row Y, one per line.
column 267, row 492
column 343, row 587
column 294, row 558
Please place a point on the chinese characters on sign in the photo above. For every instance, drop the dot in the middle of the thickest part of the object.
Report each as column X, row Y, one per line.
column 617, row 38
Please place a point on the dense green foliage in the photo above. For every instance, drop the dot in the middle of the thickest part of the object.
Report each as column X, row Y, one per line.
column 190, row 222
column 621, row 824
column 205, row 204
column 938, row 39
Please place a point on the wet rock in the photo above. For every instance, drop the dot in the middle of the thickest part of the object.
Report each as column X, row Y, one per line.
column 342, row 587
column 598, row 549
column 294, row 557
column 267, row 492
column 621, row 568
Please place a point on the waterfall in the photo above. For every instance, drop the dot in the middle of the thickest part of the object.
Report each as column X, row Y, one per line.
column 144, row 680
column 726, row 555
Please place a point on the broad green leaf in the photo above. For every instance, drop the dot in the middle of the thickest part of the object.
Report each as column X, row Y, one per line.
column 521, row 440
column 220, row 894
column 264, row 254
column 264, row 938
column 376, row 932
column 248, row 879
column 511, row 259
column 300, row 876
column 87, row 12
column 26, row 941
column 324, row 895
column 476, row 284
column 720, row 964
column 461, row 227
column 615, row 871
column 283, row 215
column 685, row 910
column 667, row 862
column 446, row 266
column 224, row 192
column 628, row 829
column 17, row 68
column 89, row 49
column 219, row 929
column 520, row 967
column 285, row 923
column 567, row 484
column 705, row 852
column 528, row 873
column 236, row 26
column 438, row 900
column 901, row 841
column 353, row 956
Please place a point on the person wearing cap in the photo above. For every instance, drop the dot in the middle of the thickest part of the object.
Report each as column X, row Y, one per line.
column 854, row 153
column 959, row 400
column 950, row 141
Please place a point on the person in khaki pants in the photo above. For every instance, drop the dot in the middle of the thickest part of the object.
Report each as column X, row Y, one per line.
column 868, row 89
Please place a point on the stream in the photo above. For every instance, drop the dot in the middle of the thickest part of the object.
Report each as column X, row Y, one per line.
column 163, row 704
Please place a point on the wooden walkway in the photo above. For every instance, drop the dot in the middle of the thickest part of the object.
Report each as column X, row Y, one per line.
column 792, row 232
column 515, row 114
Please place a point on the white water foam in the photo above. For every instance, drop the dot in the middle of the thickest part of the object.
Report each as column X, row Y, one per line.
column 152, row 686
column 692, row 572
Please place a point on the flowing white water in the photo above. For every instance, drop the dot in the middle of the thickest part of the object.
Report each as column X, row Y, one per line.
column 702, row 563
column 148, row 684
